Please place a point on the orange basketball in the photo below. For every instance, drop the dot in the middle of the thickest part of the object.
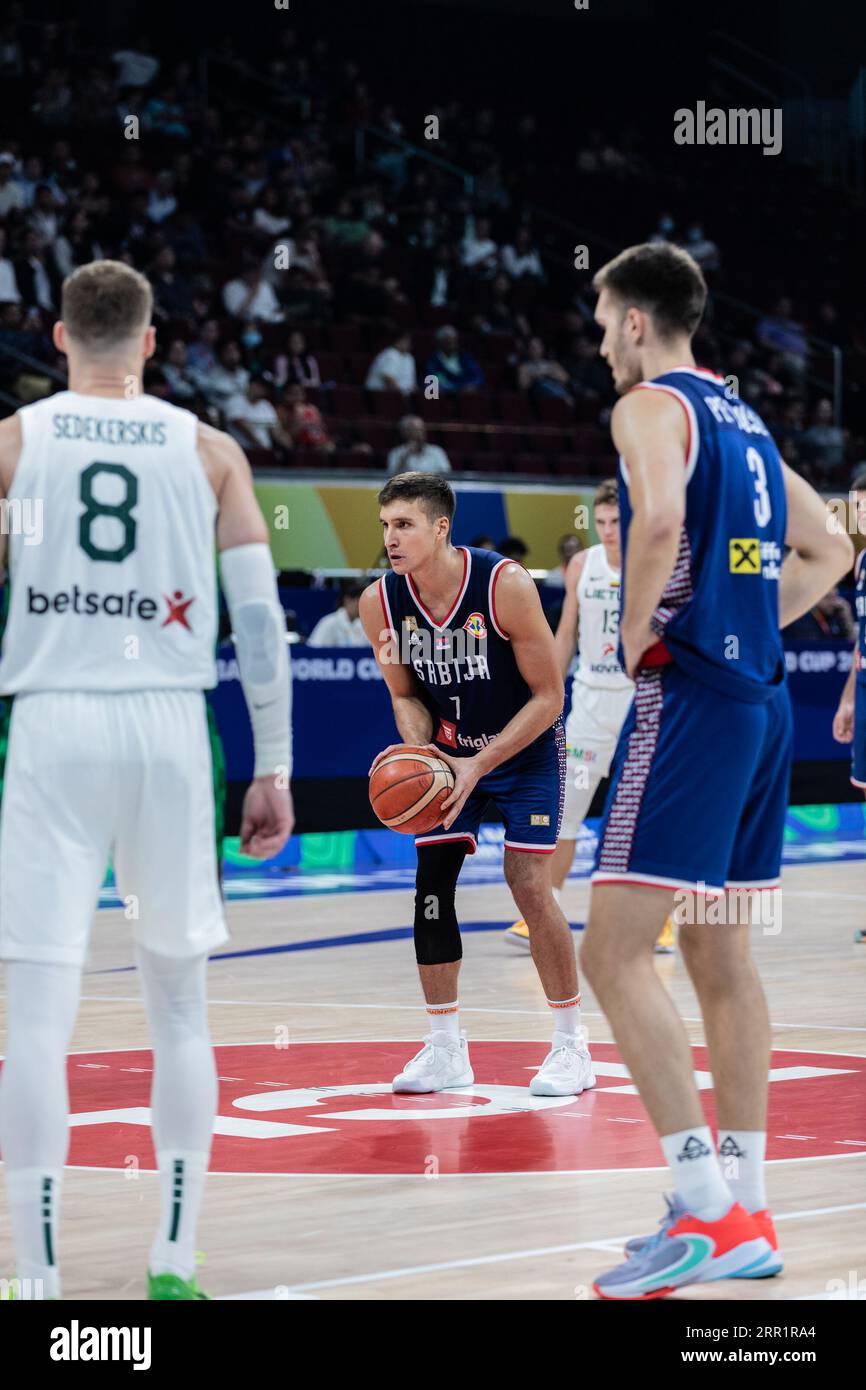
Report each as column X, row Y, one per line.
column 407, row 790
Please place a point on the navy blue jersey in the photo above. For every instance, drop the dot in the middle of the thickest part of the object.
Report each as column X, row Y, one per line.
column 465, row 665
column 718, row 617
column 860, row 608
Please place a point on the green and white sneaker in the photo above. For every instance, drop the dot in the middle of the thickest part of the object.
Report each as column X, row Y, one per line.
column 171, row 1287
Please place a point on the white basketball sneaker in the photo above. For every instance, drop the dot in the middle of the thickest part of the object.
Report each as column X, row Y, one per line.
column 567, row 1068
column 443, row 1062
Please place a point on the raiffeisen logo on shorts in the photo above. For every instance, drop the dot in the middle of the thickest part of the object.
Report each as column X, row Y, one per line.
column 130, row 604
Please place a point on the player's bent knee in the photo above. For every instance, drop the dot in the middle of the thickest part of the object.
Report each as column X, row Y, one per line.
column 437, row 934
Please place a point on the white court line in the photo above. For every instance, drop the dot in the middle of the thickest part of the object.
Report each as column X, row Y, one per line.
column 464, row 1009
column 605, row 1244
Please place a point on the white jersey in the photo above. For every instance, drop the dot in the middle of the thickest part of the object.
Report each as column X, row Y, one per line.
column 598, row 591
column 114, row 586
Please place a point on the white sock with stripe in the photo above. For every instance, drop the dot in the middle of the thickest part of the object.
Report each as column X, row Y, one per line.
column 741, row 1154
column 566, row 1016
column 444, row 1021
column 33, row 1204
column 181, row 1184
column 696, row 1174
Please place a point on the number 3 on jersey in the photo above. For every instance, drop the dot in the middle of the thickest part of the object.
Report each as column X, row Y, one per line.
column 121, row 511
column 763, row 509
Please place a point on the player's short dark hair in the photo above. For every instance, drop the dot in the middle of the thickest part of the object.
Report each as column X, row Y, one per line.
column 606, row 494
column 435, row 495
column 660, row 279
column 858, row 482
column 104, row 303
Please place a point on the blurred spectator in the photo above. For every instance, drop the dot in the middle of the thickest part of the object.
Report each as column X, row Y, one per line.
column 483, row 542
column 11, row 192
column 566, row 547
column 824, row 442
column 393, row 369
column 343, row 627
column 76, row 245
column 497, row 314
column 43, row 216
column 543, row 375
column 454, row 370
column 590, row 377
column 161, row 202
column 780, row 332
column 664, row 229
column 252, row 419
column 201, row 355
column 700, row 248
column 437, row 283
column 229, row 378
column 299, row 367
column 306, row 428
column 250, row 296
column 415, row 455
column 342, row 227
column 137, row 66
column 8, row 284
column 831, row 618
column 172, row 292
column 182, row 382
column 37, row 280
column 513, row 548
column 479, row 253
column 521, row 260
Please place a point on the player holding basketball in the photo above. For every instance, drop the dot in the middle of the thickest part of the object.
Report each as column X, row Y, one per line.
column 471, row 668
column 108, row 648
column 849, row 723
column 700, row 778
column 601, row 693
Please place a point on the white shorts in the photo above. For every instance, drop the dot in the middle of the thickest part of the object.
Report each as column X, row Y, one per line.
column 591, row 733
column 90, row 775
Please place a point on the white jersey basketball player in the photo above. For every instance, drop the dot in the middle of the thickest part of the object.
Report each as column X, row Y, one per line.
column 601, row 692
column 108, row 648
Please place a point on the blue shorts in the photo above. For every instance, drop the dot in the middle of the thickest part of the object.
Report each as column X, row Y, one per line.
column 528, row 792
column 699, row 788
column 858, row 747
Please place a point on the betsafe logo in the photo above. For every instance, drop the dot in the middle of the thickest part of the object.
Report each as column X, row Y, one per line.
column 130, row 604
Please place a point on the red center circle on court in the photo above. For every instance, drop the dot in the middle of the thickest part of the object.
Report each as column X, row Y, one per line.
column 327, row 1108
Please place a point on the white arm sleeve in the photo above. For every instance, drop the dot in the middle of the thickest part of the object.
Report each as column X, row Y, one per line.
column 259, row 629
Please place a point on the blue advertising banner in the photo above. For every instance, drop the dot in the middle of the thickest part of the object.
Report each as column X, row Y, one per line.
column 341, row 713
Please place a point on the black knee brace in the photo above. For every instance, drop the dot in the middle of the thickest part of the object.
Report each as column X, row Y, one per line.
column 437, row 935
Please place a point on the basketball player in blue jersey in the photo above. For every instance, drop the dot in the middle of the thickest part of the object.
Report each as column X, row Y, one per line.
column 471, row 668
column 849, row 723
column 699, row 783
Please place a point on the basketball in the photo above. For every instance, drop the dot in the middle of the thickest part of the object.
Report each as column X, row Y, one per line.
column 407, row 790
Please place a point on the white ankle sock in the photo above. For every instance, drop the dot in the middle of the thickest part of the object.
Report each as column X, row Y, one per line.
column 696, row 1173
column 181, row 1181
column 33, row 1202
column 566, row 1015
column 444, row 1019
column 741, row 1155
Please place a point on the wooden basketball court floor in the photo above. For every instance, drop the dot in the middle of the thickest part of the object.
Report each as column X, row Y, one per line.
column 511, row 1204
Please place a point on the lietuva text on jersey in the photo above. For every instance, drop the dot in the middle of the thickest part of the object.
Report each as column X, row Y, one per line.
column 718, row 617
column 465, row 666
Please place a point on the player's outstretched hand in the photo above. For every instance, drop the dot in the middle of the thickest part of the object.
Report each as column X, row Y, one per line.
column 843, row 722
column 267, row 818
column 466, row 774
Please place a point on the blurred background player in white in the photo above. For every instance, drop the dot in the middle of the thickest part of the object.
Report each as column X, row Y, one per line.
column 601, row 692
column 108, row 648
